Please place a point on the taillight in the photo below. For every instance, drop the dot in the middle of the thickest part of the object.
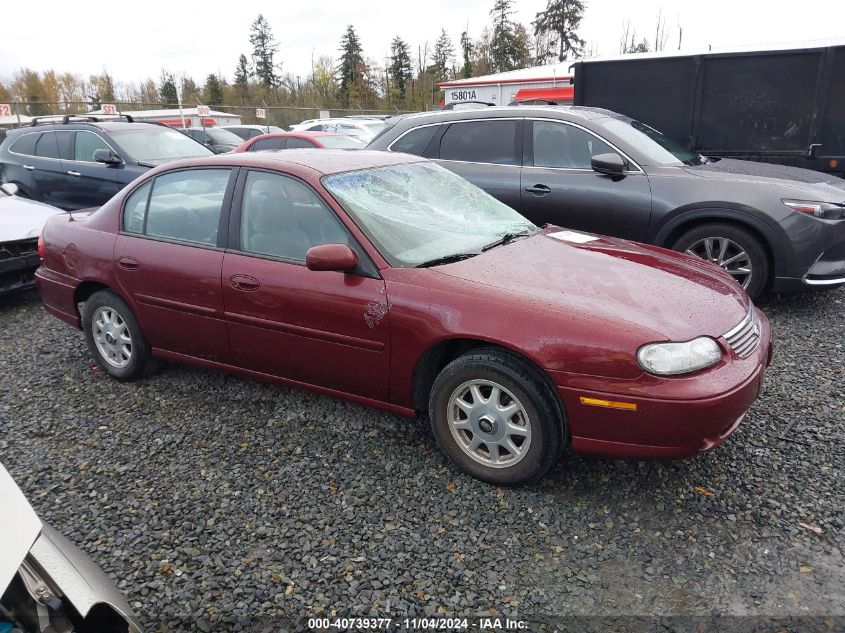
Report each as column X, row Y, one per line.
column 41, row 246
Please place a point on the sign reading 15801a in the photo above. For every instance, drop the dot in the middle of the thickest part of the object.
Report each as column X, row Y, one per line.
column 462, row 95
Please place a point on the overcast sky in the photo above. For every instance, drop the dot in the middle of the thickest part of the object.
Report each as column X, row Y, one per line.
column 198, row 38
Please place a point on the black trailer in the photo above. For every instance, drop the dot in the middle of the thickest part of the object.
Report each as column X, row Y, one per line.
column 778, row 106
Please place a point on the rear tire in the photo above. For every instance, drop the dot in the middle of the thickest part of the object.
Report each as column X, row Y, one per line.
column 494, row 418
column 114, row 338
column 734, row 249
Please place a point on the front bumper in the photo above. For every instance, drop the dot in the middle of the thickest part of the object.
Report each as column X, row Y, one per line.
column 817, row 257
column 666, row 418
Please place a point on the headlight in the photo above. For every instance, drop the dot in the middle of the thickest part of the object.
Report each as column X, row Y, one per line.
column 669, row 359
column 824, row 210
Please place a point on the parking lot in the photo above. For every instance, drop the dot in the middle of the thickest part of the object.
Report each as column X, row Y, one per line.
column 219, row 501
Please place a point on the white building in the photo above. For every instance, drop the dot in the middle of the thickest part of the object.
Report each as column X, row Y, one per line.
column 553, row 82
column 174, row 117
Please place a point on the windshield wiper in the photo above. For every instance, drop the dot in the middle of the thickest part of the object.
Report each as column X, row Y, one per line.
column 446, row 259
column 507, row 237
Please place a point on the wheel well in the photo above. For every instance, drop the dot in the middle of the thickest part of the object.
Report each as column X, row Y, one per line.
column 84, row 290
column 436, row 357
column 745, row 226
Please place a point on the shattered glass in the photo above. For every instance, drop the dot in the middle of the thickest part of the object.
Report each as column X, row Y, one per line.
column 416, row 212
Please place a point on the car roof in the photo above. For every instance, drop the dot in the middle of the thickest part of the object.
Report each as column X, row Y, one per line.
column 571, row 113
column 84, row 125
column 322, row 161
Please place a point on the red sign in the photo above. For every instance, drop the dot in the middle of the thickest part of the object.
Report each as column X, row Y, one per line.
column 203, row 110
column 109, row 108
column 260, row 113
column 5, row 109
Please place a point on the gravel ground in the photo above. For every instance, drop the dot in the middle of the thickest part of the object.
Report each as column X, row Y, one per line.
column 215, row 501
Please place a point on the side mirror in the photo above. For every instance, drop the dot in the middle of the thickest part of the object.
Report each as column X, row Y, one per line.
column 106, row 156
column 333, row 257
column 610, row 163
column 11, row 188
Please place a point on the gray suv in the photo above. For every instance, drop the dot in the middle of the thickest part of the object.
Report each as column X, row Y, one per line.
column 771, row 227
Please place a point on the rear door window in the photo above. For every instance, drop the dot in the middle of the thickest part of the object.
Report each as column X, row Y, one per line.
column 186, row 205
column 481, row 142
column 55, row 145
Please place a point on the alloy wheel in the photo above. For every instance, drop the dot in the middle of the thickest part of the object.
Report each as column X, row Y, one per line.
column 112, row 337
column 727, row 254
column 489, row 424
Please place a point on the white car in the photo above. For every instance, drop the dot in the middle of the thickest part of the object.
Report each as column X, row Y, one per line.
column 48, row 585
column 21, row 221
column 364, row 129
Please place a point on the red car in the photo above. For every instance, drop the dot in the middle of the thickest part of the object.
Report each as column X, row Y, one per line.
column 300, row 140
column 388, row 280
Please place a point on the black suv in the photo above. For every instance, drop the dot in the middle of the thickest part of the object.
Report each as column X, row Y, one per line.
column 78, row 162
column 770, row 226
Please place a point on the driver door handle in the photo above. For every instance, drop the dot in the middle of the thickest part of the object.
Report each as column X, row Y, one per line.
column 74, row 173
column 29, row 167
column 539, row 190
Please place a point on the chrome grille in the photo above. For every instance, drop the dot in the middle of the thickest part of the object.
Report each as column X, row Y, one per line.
column 745, row 337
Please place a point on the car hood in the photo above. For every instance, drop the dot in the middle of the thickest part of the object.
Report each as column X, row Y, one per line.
column 808, row 184
column 74, row 574
column 660, row 294
column 22, row 219
column 18, row 529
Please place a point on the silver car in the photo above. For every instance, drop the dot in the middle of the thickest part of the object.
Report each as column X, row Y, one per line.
column 50, row 585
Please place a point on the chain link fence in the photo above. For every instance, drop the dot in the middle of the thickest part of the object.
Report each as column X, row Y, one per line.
column 281, row 116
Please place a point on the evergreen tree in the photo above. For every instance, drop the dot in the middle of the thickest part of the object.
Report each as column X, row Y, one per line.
column 190, row 92
column 351, row 64
column 561, row 21
column 264, row 48
column 443, row 56
column 242, row 75
column 167, row 88
column 522, row 46
column 503, row 45
column 466, row 50
column 213, row 90
column 399, row 67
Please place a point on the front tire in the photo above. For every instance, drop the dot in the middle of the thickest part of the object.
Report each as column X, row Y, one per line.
column 113, row 336
column 494, row 418
column 736, row 250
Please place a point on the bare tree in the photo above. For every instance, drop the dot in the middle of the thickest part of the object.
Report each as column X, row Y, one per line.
column 660, row 32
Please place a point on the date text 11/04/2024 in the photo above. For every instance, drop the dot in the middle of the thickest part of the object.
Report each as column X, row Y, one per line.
column 428, row 624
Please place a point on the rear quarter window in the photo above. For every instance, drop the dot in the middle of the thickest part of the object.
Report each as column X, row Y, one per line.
column 415, row 141
column 25, row 144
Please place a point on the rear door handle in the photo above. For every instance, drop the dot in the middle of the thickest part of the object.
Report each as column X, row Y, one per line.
column 244, row 282
column 539, row 190
column 29, row 167
column 128, row 263
column 74, row 173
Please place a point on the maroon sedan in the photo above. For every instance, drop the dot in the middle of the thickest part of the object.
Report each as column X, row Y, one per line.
column 388, row 280
column 300, row 140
